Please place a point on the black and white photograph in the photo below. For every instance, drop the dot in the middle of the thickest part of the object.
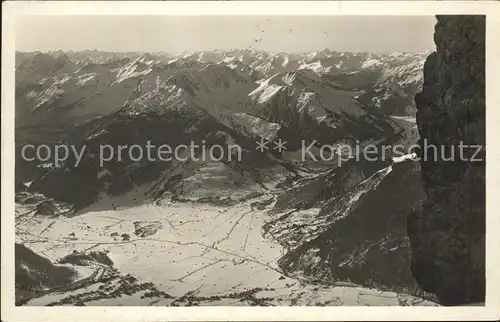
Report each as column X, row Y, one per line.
column 249, row 160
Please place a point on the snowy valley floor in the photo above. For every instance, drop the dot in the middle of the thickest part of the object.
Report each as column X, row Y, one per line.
column 179, row 254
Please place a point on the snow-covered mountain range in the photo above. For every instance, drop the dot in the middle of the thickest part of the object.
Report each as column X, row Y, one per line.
column 59, row 78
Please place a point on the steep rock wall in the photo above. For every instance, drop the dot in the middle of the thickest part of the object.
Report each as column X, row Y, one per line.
column 447, row 234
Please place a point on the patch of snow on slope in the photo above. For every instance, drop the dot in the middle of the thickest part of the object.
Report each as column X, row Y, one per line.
column 285, row 61
column 305, row 99
column 371, row 63
column 129, row 71
column 257, row 126
column 404, row 158
column 316, row 67
column 83, row 79
column 265, row 91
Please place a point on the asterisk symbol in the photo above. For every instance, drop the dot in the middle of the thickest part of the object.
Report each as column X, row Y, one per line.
column 280, row 145
column 262, row 145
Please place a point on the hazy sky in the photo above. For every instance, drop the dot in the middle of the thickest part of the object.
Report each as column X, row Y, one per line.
column 187, row 33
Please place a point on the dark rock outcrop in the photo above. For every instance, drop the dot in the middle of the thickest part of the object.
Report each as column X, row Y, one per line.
column 34, row 274
column 448, row 234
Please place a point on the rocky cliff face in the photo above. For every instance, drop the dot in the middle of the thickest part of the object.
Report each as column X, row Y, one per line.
column 447, row 233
